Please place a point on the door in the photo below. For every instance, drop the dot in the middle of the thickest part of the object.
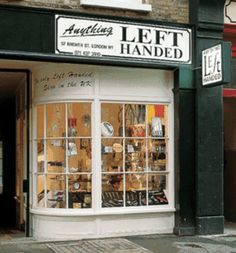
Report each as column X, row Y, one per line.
column 7, row 129
column 13, row 139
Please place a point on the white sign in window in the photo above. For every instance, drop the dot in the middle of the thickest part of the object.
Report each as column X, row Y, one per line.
column 92, row 38
column 212, row 65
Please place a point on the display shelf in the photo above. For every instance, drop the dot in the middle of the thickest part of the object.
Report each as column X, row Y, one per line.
column 133, row 198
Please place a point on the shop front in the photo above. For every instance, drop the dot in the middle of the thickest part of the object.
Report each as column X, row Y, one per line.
column 102, row 151
column 103, row 139
column 101, row 125
column 109, row 106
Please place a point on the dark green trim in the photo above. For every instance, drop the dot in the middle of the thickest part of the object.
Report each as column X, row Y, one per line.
column 30, row 33
column 30, row 56
column 28, row 74
column 207, row 15
column 184, row 231
column 210, row 225
column 184, row 103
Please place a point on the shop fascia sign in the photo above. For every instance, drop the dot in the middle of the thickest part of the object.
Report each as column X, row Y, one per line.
column 111, row 39
column 216, row 64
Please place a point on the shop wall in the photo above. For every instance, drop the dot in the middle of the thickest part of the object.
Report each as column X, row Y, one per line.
column 162, row 10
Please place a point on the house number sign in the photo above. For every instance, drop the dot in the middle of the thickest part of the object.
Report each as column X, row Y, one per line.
column 101, row 38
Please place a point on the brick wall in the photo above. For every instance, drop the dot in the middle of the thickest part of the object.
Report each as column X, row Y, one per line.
column 162, row 10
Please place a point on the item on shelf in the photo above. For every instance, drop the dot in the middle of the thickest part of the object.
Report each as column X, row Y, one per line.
column 57, row 199
column 41, row 195
column 84, row 143
column 133, row 198
column 76, row 186
column 112, row 199
column 72, row 149
column 40, row 146
column 55, row 163
column 86, row 119
column 130, row 148
column 156, row 128
column 117, row 147
column 108, row 149
column 138, row 130
column 73, row 170
column 56, row 143
column 77, row 205
column 79, row 199
column 72, row 122
column 87, row 199
column 107, row 129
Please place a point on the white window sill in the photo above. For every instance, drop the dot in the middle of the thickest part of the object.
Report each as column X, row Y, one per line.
column 114, row 211
column 118, row 4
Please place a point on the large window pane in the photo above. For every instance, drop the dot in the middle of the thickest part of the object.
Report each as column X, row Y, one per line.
column 79, row 119
column 135, row 154
column 112, row 190
column 40, row 121
column 40, row 191
column 67, row 152
column 157, row 155
column 135, row 119
column 157, row 189
column 56, row 186
column 40, row 156
column 80, row 187
column 144, row 147
column 56, row 156
column 55, row 120
column 79, row 155
column 135, row 189
column 112, row 155
column 112, row 120
column 157, row 120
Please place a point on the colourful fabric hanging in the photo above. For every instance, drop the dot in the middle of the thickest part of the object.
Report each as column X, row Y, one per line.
column 159, row 111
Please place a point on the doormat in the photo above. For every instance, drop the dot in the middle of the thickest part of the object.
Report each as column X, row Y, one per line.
column 117, row 245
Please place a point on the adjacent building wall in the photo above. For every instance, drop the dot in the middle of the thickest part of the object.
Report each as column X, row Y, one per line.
column 162, row 10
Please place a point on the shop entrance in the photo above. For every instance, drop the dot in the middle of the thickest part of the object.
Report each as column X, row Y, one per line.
column 13, row 152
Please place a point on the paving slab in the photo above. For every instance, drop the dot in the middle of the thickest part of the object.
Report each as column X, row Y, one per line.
column 115, row 245
column 134, row 244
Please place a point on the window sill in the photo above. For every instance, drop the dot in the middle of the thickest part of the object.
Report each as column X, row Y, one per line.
column 114, row 211
column 117, row 4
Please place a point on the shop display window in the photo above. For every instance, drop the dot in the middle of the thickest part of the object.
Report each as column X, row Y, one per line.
column 64, row 155
column 133, row 155
column 134, row 166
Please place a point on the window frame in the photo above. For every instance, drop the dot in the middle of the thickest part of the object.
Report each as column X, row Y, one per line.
column 45, row 173
column 97, row 208
column 167, row 172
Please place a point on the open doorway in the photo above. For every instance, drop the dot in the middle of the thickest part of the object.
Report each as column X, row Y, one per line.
column 13, row 153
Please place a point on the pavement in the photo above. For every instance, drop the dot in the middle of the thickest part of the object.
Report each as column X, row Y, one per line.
column 224, row 243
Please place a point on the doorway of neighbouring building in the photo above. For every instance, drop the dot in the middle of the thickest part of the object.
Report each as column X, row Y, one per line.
column 230, row 154
column 229, row 104
column 13, row 153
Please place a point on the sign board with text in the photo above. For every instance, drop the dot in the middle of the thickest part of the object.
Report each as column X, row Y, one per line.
column 111, row 39
column 216, row 64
